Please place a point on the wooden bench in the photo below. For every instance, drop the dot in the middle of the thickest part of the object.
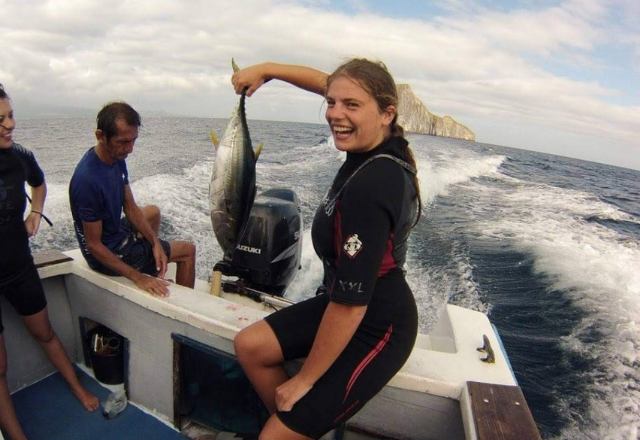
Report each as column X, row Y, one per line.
column 49, row 258
column 500, row 412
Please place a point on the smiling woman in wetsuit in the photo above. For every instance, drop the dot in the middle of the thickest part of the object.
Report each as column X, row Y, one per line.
column 19, row 280
column 359, row 334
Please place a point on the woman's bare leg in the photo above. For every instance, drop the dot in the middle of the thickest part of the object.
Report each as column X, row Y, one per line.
column 40, row 328
column 274, row 429
column 8, row 419
column 260, row 355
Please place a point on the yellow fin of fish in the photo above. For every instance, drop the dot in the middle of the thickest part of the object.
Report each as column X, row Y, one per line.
column 234, row 66
column 214, row 138
column 258, row 150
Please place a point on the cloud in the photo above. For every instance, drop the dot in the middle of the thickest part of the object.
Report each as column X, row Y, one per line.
column 527, row 64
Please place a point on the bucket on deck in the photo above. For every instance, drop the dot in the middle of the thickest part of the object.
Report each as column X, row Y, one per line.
column 106, row 352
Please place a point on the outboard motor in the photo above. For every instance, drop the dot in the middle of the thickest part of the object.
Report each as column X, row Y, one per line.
column 268, row 253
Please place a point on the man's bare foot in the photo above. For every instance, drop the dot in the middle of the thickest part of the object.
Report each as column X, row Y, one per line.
column 88, row 400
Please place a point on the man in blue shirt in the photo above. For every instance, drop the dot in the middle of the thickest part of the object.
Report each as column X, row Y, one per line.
column 99, row 192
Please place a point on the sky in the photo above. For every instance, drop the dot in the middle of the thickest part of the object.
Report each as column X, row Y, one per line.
column 560, row 77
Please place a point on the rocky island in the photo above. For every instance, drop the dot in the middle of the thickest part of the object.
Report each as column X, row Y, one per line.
column 416, row 118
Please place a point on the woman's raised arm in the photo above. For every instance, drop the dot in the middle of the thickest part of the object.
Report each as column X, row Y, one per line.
column 303, row 77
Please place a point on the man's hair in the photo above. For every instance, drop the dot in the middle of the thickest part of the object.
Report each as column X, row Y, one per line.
column 111, row 112
column 3, row 94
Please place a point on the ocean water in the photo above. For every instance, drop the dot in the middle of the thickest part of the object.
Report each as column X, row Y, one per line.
column 547, row 246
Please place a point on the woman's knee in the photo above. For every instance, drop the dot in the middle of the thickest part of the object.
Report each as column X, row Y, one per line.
column 257, row 344
column 244, row 344
column 43, row 336
column 39, row 326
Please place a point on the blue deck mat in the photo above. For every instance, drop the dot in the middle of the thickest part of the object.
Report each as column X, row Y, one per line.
column 48, row 410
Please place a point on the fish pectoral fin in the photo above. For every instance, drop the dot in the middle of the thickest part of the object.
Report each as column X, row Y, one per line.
column 234, row 66
column 258, row 150
column 214, row 138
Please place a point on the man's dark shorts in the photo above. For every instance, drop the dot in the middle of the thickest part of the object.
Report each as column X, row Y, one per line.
column 136, row 251
column 25, row 293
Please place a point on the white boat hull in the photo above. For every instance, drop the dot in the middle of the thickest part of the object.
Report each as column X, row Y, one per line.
column 426, row 399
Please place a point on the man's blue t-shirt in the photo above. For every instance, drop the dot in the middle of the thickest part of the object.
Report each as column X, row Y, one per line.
column 96, row 192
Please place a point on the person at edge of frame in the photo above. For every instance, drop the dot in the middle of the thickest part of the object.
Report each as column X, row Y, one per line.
column 19, row 280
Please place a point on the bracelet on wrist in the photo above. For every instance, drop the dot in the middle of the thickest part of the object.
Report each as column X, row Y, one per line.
column 43, row 216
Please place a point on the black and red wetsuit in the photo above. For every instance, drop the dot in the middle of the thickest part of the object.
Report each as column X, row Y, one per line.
column 360, row 232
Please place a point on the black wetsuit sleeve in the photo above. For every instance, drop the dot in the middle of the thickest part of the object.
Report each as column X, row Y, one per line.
column 32, row 171
column 367, row 213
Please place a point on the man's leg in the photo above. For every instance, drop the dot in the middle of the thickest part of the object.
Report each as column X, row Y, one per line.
column 153, row 216
column 40, row 328
column 183, row 253
column 8, row 418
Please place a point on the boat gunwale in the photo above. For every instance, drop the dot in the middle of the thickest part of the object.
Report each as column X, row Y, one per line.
column 422, row 373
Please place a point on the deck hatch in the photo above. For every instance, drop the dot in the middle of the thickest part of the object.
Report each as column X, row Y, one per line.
column 211, row 389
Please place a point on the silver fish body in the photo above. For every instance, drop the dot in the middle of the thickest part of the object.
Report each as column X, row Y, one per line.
column 233, row 181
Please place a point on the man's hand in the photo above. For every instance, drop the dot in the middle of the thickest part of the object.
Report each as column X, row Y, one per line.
column 161, row 259
column 290, row 392
column 155, row 286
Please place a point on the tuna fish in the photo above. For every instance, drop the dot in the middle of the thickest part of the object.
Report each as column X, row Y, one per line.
column 232, row 187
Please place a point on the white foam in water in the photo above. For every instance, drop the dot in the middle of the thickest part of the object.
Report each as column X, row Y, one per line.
column 436, row 179
column 599, row 272
column 593, row 265
column 61, row 236
column 308, row 278
column 440, row 170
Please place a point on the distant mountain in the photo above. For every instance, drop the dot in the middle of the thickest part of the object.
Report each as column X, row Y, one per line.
column 31, row 110
column 416, row 118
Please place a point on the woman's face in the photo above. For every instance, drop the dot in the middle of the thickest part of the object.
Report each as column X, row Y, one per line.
column 7, row 123
column 356, row 122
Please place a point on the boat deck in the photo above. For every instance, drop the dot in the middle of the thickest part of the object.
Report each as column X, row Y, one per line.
column 47, row 410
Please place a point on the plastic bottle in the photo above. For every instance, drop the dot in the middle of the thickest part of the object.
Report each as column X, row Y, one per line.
column 115, row 404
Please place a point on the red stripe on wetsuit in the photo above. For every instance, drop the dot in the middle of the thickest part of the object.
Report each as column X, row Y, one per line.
column 366, row 361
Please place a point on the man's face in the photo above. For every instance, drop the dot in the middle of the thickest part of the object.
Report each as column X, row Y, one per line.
column 119, row 146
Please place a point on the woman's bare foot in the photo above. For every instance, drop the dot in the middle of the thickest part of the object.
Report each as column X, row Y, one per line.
column 88, row 400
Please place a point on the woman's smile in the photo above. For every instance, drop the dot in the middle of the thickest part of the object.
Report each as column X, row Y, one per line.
column 356, row 122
